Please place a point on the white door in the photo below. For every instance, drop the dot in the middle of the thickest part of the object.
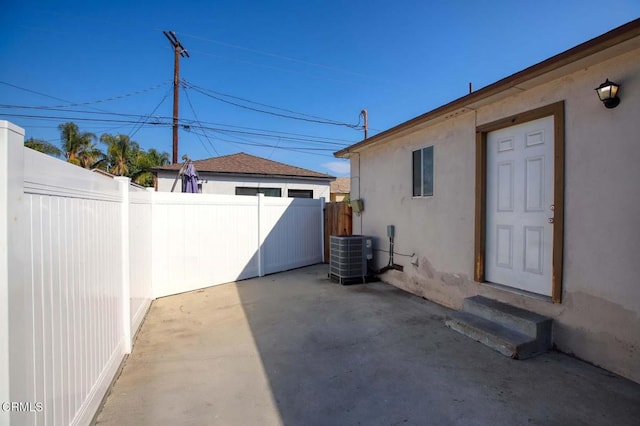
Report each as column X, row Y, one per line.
column 519, row 235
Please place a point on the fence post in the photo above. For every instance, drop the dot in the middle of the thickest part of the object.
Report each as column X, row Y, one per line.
column 14, row 338
column 322, row 207
column 125, row 260
column 261, row 236
column 152, row 224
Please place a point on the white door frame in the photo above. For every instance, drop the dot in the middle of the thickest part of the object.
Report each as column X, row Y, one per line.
column 557, row 111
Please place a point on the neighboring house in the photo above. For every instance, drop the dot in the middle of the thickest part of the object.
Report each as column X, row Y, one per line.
column 244, row 174
column 340, row 188
column 525, row 191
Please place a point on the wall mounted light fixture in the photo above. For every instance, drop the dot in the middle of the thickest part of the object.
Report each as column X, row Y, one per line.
column 608, row 94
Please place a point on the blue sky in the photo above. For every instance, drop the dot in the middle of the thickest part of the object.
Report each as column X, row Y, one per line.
column 325, row 59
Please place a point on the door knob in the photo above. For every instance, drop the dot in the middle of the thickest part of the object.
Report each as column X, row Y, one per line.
column 550, row 220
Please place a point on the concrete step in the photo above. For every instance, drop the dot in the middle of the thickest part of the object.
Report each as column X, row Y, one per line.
column 508, row 342
column 520, row 320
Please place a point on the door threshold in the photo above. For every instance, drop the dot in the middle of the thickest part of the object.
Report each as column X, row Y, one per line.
column 518, row 291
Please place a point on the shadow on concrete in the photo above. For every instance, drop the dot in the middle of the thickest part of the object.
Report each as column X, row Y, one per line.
column 373, row 354
column 297, row 349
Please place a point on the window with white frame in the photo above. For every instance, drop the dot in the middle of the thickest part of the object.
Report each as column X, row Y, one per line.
column 423, row 172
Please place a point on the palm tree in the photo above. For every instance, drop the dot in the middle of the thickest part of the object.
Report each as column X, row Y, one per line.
column 157, row 158
column 144, row 161
column 120, row 150
column 126, row 158
column 43, row 146
column 79, row 148
column 91, row 158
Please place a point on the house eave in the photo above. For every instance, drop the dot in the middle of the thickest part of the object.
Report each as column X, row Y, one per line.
column 610, row 44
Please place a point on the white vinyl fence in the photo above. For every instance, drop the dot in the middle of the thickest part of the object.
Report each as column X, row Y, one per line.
column 82, row 256
column 202, row 239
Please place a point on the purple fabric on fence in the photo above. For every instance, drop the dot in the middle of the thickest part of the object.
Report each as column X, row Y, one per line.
column 190, row 179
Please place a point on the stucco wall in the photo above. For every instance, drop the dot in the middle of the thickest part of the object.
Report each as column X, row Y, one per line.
column 227, row 186
column 599, row 317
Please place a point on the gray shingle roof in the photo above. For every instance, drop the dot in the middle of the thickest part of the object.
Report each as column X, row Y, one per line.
column 245, row 164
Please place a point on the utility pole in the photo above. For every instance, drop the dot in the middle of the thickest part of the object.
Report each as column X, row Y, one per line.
column 366, row 122
column 179, row 51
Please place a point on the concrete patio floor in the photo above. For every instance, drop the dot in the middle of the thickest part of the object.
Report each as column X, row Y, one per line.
column 297, row 349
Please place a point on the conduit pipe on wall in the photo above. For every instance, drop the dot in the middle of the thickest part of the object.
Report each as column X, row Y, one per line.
column 391, row 231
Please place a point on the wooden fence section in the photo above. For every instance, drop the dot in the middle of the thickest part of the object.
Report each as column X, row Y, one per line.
column 337, row 221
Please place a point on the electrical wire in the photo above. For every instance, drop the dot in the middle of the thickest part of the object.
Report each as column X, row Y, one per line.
column 65, row 109
column 310, row 120
column 261, row 104
column 112, row 98
column 169, row 124
column 245, row 142
column 33, row 91
column 183, row 121
column 260, row 134
column 290, row 71
column 135, row 129
column 291, row 59
column 320, row 138
column 300, row 151
column 198, row 135
column 186, row 93
column 41, row 94
column 198, row 127
column 97, row 120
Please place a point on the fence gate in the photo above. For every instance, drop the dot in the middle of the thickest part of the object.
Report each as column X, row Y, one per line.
column 337, row 221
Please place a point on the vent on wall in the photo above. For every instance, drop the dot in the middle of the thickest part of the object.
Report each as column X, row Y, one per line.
column 348, row 257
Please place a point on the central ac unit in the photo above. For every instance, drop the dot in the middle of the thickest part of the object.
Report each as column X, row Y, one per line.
column 349, row 256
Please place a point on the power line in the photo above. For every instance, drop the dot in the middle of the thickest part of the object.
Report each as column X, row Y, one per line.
column 112, row 98
column 42, row 94
column 186, row 93
column 202, row 142
column 33, row 91
column 265, row 135
column 135, row 129
column 265, row 145
column 292, row 59
column 166, row 123
column 261, row 104
column 202, row 129
column 292, row 71
column 262, row 145
column 163, row 120
column 318, row 121
column 64, row 108
column 96, row 120
column 321, row 139
column 118, row 114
